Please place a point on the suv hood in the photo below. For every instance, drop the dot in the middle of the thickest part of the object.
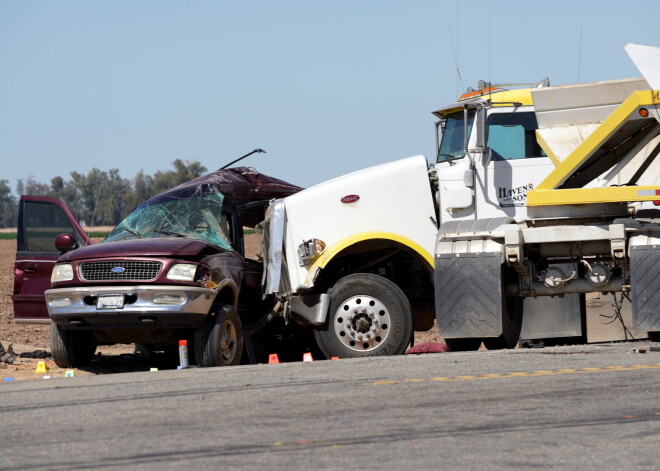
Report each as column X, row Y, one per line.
column 158, row 247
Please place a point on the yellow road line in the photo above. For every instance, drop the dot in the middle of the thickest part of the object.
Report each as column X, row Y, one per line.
column 518, row 374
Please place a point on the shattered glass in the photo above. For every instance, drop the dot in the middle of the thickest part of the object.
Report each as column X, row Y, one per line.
column 193, row 212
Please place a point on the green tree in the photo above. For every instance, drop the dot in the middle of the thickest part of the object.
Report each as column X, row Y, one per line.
column 100, row 197
column 183, row 171
column 66, row 191
column 114, row 201
column 8, row 206
column 30, row 186
column 88, row 190
column 142, row 188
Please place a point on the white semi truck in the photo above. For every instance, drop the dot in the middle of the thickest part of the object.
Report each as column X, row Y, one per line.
column 538, row 195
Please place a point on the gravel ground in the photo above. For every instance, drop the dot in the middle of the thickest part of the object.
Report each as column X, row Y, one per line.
column 28, row 338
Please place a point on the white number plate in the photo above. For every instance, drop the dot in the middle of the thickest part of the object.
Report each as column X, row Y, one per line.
column 110, row 301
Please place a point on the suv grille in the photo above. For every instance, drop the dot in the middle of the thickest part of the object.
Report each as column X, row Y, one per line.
column 103, row 271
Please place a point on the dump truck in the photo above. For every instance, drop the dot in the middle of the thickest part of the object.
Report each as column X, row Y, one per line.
column 538, row 196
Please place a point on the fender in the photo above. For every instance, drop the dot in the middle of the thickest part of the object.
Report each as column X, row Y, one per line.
column 231, row 286
column 331, row 252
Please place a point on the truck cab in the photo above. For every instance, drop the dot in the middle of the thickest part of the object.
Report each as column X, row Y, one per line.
column 488, row 156
column 498, row 144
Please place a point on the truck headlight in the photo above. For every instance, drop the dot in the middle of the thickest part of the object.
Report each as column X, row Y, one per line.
column 182, row 272
column 62, row 272
column 310, row 249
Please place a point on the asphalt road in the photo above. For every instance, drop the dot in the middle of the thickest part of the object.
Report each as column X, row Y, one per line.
column 588, row 407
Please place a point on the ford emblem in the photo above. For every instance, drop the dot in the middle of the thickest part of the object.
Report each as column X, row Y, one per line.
column 118, row 270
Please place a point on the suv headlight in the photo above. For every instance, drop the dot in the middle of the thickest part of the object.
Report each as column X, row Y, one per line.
column 63, row 272
column 182, row 272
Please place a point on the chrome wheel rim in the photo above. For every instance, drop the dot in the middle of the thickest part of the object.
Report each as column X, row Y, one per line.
column 362, row 323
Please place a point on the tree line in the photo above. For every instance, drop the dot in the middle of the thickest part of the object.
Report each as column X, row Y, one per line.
column 99, row 198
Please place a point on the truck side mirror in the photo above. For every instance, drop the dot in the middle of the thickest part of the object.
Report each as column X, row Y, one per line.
column 481, row 128
column 486, row 156
column 65, row 242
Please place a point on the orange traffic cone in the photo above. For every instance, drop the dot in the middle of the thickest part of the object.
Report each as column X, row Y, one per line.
column 273, row 359
column 307, row 357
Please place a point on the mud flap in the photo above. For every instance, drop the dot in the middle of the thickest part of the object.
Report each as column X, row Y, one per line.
column 555, row 317
column 468, row 294
column 645, row 283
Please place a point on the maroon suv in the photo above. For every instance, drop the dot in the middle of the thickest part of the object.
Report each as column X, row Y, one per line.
column 173, row 269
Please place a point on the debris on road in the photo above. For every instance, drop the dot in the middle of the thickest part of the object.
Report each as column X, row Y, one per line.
column 428, row 347
column 7, row 356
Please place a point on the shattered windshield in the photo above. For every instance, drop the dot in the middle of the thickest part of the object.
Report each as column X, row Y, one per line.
column 192, row 213
column 452, row 145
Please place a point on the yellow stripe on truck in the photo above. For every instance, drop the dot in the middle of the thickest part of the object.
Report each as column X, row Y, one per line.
column 591, row 144
column 610, row 194
column 332, row 251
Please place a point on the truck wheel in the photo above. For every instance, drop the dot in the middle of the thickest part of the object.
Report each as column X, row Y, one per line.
column 369, row 316
column 71, row 348
column 466, row 345
column 219, row 340
column 511, row 325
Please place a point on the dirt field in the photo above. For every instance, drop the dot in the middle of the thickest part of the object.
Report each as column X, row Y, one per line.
column 27, row 338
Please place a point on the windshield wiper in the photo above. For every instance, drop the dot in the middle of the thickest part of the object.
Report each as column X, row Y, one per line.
column 175, row 234
column 131, row 231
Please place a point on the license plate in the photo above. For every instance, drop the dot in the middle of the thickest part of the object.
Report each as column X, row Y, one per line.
column 110, row 301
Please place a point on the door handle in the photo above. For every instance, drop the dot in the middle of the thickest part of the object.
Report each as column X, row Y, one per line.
column 29, row 267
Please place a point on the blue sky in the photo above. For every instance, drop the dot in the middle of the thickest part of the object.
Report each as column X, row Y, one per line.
column 326, row 88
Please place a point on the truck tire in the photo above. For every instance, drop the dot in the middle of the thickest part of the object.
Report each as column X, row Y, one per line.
column 512, row 314
column 71, row 348
column 511, row 326
column 369, row 316
column 219, row 339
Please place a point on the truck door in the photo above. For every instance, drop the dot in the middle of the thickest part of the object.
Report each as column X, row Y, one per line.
column 40, row 219
column 517, row 164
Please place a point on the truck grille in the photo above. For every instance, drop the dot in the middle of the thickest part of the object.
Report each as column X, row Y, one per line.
column 103, row 271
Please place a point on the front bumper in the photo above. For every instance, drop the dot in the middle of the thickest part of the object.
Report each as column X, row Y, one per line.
column 145, row 306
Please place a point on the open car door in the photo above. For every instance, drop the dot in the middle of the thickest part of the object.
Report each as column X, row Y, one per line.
column 40, row 219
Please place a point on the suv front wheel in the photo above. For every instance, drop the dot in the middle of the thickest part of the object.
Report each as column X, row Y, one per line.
column 219, row 340
column 71, row 348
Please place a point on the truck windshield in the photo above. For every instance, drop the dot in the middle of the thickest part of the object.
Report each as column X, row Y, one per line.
column 193, row 213
column 452, row 145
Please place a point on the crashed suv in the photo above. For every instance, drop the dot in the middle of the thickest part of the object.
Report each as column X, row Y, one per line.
column 173, row 269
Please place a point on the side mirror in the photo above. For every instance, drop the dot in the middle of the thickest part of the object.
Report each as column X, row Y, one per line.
column 65, row 242
column 481, row 127
column 486, row 156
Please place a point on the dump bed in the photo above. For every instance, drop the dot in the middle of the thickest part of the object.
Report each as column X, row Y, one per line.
column 605, row 152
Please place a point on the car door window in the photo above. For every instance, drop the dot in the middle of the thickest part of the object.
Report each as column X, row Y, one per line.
column 41, row 223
